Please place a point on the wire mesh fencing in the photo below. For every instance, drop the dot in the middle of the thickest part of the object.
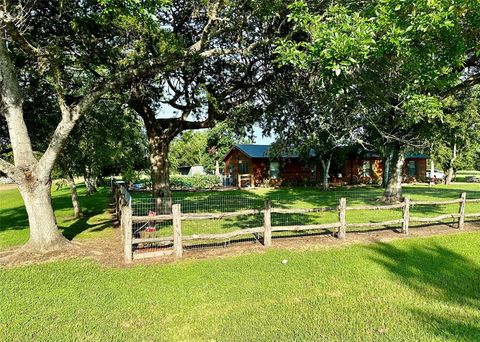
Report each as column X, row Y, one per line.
column 214, row 219
column 199, row 225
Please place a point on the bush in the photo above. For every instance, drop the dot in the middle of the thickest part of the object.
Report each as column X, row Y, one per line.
column 194, row 182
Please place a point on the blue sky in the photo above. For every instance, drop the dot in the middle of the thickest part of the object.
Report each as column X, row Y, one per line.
column 259, row 138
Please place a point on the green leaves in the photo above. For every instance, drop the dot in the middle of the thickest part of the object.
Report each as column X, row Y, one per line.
column 420, row 108
column 338, row 41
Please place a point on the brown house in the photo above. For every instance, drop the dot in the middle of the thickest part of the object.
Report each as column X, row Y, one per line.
column 251, row 165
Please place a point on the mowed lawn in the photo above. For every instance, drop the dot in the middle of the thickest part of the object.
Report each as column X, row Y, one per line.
column 419, row 289
column 95, row 223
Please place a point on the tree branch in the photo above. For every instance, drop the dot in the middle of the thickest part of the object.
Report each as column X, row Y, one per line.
column 467, row 83
column 19, row 38
column 75, row 112
column 7, row 168
column 212, row 14
column 214, row 52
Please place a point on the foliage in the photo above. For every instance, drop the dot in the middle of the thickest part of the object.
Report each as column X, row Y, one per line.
column 189, row 149
column 373, row 51
column 459, row 131
column 194, row 182
column 98, row 149
column 203, row 148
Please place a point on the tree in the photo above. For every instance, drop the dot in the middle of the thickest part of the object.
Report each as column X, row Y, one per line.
column 458, row 130
column 308, row 118
column 397, row 58
column 94, row 148
column 225, row 52
column 82, row 56
column 190, row 148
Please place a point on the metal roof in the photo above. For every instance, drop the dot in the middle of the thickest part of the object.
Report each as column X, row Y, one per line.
column 262, row 151
column 254, row 151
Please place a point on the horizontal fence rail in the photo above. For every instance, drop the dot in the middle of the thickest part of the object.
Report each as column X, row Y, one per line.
column 173, row 244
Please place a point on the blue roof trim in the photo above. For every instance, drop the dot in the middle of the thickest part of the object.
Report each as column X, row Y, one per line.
column 262, row 151
column 254, row 151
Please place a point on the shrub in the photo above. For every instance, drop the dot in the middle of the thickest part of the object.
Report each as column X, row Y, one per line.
column 194, row 182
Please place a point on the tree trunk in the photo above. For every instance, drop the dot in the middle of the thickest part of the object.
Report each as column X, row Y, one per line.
column 90, row 181
column 393, row 191
column 44, row 233
column 386, row 169
column 77, row 209
column 432, row 171
column 159, row 149
column 451, row 164
column 325, row 171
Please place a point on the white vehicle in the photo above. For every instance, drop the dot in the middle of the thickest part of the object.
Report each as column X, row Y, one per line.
column 436, row 174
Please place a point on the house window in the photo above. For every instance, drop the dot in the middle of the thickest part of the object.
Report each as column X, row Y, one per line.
column 412, row 168
column 274, row 170
column 366, row 169
column 242, row 167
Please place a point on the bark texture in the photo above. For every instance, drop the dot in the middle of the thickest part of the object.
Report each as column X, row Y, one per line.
column 387, row 165
column 393, row 191
column 325, row 171
column 32, row 176
column 44, row 233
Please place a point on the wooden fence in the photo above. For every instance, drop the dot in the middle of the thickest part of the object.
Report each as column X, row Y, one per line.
column 123, row 213
column 339, row 228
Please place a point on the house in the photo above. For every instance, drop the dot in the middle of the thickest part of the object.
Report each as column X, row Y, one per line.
column 252, row 165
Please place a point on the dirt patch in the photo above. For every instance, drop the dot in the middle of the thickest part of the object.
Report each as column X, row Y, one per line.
column 4, row 187
column 109, row 252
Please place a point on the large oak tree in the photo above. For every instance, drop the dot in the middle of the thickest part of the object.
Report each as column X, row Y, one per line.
column 79, row 51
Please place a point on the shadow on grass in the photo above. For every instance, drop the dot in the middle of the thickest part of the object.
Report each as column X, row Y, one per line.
column 441, row 275
column 81, row 225
column 15, row 218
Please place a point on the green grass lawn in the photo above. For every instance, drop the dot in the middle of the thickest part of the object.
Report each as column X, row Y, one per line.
column 95, row 223
column 421, row 289
column 462, row 175
column 302, row 198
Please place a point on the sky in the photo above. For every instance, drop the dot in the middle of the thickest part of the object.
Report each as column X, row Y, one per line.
column 259, row 138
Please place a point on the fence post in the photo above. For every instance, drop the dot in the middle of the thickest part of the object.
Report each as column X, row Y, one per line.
column 406, row 215
column 177, row 230
column 461, row 220
column 127, row 228
column 342, row 208
column 239, row 181
column 267, row 224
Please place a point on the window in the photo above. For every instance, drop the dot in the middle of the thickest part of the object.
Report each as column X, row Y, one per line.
column 366, row 169
column 274, row 170
column 242, row 167
column 412, row 168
